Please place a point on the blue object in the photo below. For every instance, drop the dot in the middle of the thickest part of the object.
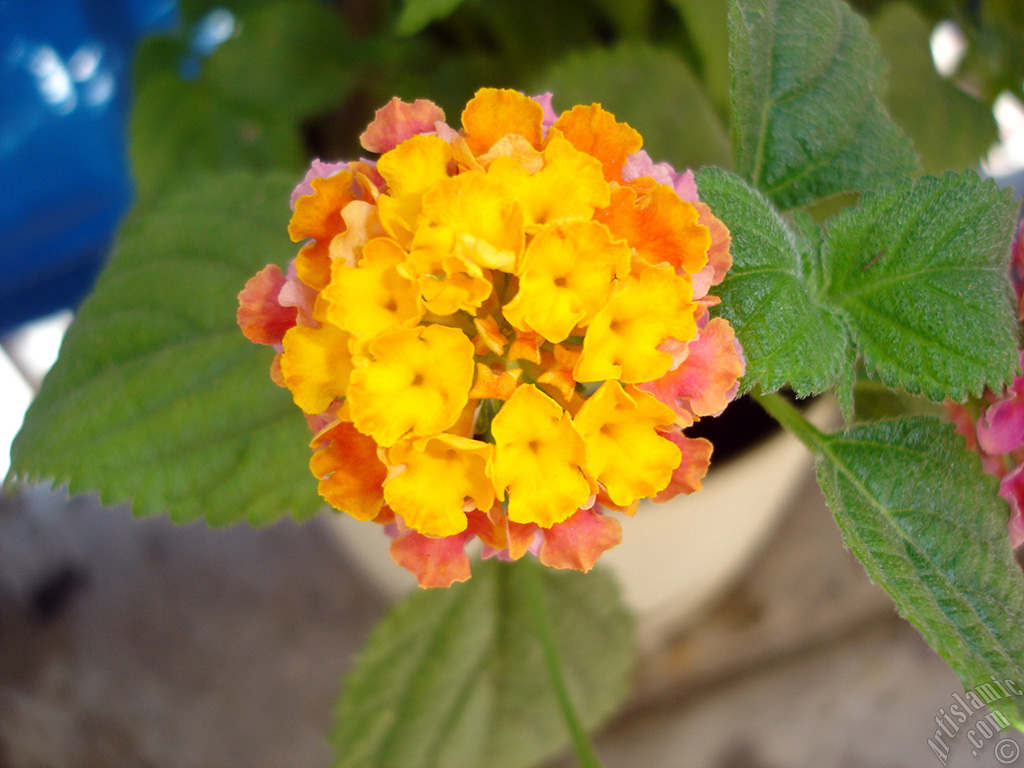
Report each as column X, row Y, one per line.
column 64, row 99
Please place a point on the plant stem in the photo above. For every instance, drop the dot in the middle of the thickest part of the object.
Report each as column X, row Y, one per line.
column 586, row 755
column 783, row 411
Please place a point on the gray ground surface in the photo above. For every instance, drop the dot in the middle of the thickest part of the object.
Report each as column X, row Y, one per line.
column 136, row 643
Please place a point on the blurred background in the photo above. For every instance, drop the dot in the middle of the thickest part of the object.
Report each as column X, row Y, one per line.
column 105, row 104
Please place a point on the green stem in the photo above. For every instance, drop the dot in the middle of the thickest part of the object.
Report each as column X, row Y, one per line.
column 586, row 755
column 784, row 412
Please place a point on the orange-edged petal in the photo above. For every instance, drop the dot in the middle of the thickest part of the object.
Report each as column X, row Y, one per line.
column 434, row 562
column 499, row 534
column 596, row 132
column 441, row 476
column 559, row 368
column 318, row 215
column 316, row 365
column 494, row 112
column 492, row 385
column 660, row 226
column 397, row 121
column 625, row 451
column 526, row 347
column 489, row 337
column 538, row 459
column 350, row 473
column 415, row 381
column 696, row 458
column 362, row 224
column 578, row 542
column 623, row 340
column 705, row 382
column 262, row 319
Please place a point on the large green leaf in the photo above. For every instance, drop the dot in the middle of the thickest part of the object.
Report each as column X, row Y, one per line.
column 950, row 129
column 707, row 26
column 788, row 336
column 651, row 89
column 291, row 59
column 179, row 128
column 920, row 272
column 914, row 505
column 456, row 678
column 157, row 398
column 808, row 120
column 417, row 14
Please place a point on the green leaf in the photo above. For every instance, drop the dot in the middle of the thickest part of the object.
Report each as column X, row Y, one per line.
column 808, row 118
column 179, row 128
column 291, row 59
column 915, row 507
column 456, row 677
column 417, row 14
column 706, row 25
column 950, row 129
column 788, row 337
column 651, row 89
column 920, row 272
column 157, row 398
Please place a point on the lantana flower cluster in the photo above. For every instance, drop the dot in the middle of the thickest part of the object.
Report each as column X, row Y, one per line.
column 499, row 332
column 994, row 427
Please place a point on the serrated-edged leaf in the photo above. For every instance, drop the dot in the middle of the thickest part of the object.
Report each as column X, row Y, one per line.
column 808, row 120
column 654, row 91
column 456, row 678
column 417, row 14
column 920, row 271
column 915, row 507
column 157, row 398
column 787, row 336
column 950, row 129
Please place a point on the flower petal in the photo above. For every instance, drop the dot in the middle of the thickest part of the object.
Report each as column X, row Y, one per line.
column 316, row 365
column 625, row 451
column 261, row 317
column 596, row 132
column 416, row 380
column 538, row 459
column 578, row 542
column 350, row 473
column 696, row 459
column 494, row 112
column 397, row 121
column 434, row 562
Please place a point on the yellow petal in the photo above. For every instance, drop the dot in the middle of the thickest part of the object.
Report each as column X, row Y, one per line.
column 568, row 274
column 316, row 365
column 538, row 459
column 484, row 220
column 441, row 474
column 623, row 338
column 410, row 169
column 570, row 185
column 625, row 452
column 372, row 298
column 416, row 380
